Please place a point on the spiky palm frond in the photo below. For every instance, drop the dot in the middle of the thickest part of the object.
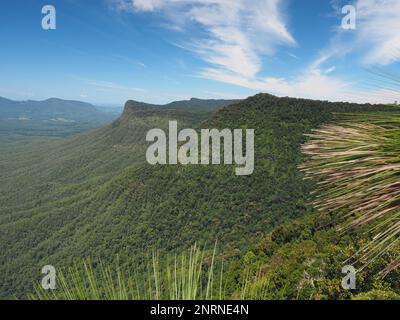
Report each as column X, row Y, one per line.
column 356, row 163
column 181, row 277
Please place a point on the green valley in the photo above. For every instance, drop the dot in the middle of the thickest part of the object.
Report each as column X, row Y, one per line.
column 95, row 196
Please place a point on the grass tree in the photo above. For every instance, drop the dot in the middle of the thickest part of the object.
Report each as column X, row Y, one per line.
column 356, row 165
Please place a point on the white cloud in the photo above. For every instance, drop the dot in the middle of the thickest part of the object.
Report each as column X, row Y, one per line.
column 236, row 33
column 378, row 30
column 312, row 83
column 376, row 38
column 135, row 5
column 146, row 5
column 238, row 36
column 315, row 82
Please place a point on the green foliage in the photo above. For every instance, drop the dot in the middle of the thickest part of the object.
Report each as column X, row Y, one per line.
column 356, row 163
column 308, row 265
column 377, row 295
column 94, row 195
column 184, row 277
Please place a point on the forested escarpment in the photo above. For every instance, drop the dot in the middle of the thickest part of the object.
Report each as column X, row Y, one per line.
column 48, row 186
column 94, row 195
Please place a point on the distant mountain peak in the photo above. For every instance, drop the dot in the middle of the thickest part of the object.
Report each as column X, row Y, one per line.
column 137, row 105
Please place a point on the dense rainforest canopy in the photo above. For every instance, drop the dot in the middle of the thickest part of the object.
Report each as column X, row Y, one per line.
column 95, row 196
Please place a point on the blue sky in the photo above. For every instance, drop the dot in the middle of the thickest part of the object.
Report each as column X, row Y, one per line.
column 109, row 51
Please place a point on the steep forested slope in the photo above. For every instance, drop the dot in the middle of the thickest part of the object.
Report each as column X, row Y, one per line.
column 95, row 195
column 354, row 161
column 46, row 188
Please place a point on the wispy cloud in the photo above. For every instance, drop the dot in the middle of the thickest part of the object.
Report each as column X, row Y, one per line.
column 236, row 34
column 113, row 86
column 238, row 37
column 376, row 39
column 147, row 5
column 313, row 83
column 131, row 61
column 378, row 29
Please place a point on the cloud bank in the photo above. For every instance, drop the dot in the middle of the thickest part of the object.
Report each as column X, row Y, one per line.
column 237, row 37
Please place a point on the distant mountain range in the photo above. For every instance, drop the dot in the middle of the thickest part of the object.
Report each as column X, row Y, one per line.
column 71, row 110
column 57, row 117
column 49, row 109
column 51, row 117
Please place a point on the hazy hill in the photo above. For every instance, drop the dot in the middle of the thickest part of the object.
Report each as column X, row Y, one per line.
column 48, row 109
column 51, row 117
column 94, row 195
